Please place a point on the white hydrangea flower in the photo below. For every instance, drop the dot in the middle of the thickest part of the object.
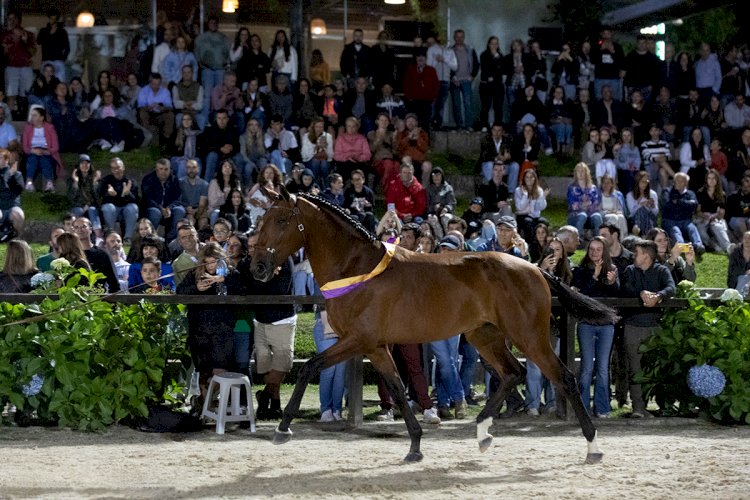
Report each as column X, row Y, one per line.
column 59, row 263
column 731, row 295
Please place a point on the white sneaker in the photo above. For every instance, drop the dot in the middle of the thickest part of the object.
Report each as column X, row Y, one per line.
column 532, row 412
column 117, row 148
column 327, row 416
column 385, row 416
column 30, row 187
column 49, row 187
column 430, row 416
column 548, row 151
column 105, row 145
column 337, row 416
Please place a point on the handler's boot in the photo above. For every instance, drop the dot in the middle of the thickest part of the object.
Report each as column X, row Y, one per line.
column 264, row 399
column 274, row 413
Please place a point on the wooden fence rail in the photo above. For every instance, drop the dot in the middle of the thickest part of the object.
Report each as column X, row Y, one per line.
column 625, row 306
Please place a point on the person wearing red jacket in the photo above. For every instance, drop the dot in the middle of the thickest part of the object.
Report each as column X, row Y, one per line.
column 405, row 194
column 414, row 142
column 42, row 149
column 421, row 88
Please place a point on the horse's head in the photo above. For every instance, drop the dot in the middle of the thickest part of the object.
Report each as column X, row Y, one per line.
column 280, row 234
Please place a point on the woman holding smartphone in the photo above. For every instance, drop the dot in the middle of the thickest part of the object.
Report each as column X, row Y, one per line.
column 211, row 327
column 682, row 268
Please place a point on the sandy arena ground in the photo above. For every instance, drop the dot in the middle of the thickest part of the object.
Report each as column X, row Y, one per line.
column 542, row 457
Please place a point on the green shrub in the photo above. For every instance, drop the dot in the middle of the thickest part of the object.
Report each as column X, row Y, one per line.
column 97, row 363
column 696, row 335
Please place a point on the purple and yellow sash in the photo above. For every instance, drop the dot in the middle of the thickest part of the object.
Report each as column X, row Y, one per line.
column 343, row 286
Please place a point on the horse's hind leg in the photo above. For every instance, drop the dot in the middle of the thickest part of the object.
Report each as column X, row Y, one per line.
column 491, row 345
column 340, row 351
column 383, row 362
column 555, row 370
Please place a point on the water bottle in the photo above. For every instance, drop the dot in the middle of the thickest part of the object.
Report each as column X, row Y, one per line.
column 194, row 389
column 221, row 270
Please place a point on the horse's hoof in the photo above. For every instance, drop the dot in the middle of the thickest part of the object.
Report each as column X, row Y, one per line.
column 414, row 456
column 281, row 437
column 485, row 443
column 594, row 458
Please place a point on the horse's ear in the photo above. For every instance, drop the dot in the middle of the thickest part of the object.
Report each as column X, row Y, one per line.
column 284, row 194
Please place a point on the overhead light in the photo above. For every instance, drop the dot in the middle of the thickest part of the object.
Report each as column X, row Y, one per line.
column 85, row 20
column 318, row 26
column 229, row 6
column 395, row 2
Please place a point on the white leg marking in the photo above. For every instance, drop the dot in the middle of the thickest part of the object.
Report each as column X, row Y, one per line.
column 593, row 447
column 482, row 429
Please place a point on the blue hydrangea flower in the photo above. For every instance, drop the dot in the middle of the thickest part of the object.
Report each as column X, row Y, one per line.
column 34, row 387
column 41, row 279
column 706, row 381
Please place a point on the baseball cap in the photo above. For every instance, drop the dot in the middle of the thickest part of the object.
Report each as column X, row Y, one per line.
column 507, row 220
column 451, row 241
column 84, row 157
column 477, row 201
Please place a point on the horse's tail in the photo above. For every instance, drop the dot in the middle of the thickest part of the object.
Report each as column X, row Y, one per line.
column 580, row 306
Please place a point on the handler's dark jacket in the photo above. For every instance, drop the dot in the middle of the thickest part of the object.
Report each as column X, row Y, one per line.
column 657, row 279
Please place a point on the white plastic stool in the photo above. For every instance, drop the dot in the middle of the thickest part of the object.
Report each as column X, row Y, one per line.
column 229, row 385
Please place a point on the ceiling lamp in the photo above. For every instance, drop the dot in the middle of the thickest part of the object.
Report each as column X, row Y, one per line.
column 395, row 2
column 318, row 26
column 85, row 20
column 229, row 6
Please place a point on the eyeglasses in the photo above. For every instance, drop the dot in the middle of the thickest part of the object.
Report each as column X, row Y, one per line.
column 221, row 231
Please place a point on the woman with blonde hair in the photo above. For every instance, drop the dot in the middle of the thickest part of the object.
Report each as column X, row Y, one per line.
column 317, row 150
column 530, row 199
column 613, row 205
column 584, row 201
column 253, row 150
column 18, row 269
column 709, row 217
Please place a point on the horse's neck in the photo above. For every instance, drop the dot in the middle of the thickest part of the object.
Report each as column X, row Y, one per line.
column 335, row 250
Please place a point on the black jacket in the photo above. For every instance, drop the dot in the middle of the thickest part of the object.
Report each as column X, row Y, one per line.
column 657, row 279
column 100, row 262
column 355, row 63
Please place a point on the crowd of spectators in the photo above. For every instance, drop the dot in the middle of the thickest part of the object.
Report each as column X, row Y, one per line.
column 661, row 143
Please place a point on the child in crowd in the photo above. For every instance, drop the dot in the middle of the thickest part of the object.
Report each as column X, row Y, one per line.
column 150, row 273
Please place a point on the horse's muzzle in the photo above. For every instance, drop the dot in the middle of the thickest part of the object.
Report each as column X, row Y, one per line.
column 261, row 270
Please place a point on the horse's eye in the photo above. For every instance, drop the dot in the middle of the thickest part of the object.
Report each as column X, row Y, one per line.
column 282, row 222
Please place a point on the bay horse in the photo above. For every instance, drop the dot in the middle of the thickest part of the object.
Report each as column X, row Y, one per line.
column 379, row 294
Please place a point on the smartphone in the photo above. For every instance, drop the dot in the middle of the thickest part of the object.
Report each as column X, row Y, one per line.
column 684, row 247
column 391, row 207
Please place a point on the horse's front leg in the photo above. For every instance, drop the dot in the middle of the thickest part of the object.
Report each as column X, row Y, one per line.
column 340, row 351
column 311, row 367
column 383, row 363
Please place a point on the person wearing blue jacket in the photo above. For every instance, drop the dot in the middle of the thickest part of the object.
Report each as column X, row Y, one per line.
column 161, row 197
column 678, row 206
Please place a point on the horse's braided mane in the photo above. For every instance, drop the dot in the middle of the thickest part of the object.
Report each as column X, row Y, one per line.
column 337, row 210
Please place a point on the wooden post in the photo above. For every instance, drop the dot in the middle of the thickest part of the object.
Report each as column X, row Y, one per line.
column 354, row 388
column 568, row 356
